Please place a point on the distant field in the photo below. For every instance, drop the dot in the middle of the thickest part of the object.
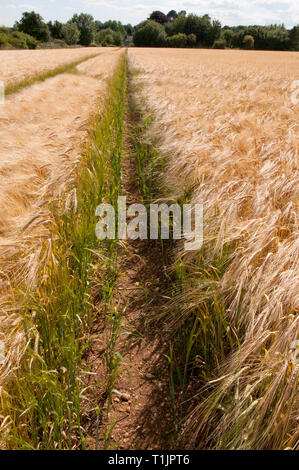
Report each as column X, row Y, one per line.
column 230, row 130
column 20, row 65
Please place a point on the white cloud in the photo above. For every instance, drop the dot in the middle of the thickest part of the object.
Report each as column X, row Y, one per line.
column 232, row 12
column 29, row 6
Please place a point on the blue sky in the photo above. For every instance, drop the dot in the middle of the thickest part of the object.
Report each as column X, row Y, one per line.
column 231, row 12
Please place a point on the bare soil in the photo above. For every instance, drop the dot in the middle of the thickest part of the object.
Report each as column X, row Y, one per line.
column 141, row 410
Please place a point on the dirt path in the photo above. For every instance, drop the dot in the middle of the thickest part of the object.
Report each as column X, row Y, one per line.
column 140, row 415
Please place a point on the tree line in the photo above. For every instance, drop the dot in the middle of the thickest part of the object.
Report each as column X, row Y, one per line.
column 82, row 29
column 179, row 29
column 174, row 29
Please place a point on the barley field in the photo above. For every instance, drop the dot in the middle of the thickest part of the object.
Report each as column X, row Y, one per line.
column 227, row 123
column 141, row 344
column 42, row 131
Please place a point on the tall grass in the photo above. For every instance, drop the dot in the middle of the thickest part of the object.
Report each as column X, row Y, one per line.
column 42, row 403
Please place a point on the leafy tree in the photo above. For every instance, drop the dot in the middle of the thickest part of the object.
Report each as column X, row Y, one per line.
column 228, row 36
column 259, row 35
column 169, row 28
column 215, row 32
column 86, row 27
column 108, row 41
column 182, row 13
column 179, row 24
column 71, row 33
column 206, row 32
column 56, row 29
column 277, row 39
column 33, row 24
column 114, row 25
column 178, row 40
column 105, row 35
column 140, row 25
column 129, row 29
column 118, row 38
column 98, row 25
column 237, row 39
column 248, row 42
column 108, row 37
column 294, row 38
column 193, row 25
column 150, row 34
column 159, row 17
column 172, row 15
column 191, row 40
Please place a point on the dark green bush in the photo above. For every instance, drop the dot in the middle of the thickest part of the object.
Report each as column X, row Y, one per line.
column 178, row 40
column 117, row 38
column 109, row 37
column 31, row 41
column 150, row 34
column 3, row 39
column 191, row 40
column 60, row 43
column 248, row 42
column 4, row 29
column 294, row 38
column 101, row 35
column 228, row 36
column 108, row 41
column 21, row 40
column 17, row 40
column 219, row 44
column 17, row 43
